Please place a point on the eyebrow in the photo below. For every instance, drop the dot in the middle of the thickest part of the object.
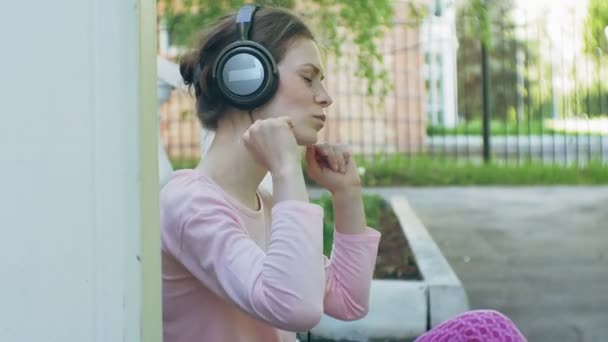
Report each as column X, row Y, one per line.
column 315, row 68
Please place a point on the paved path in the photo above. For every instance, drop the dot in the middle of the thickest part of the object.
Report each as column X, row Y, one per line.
column 538, row 254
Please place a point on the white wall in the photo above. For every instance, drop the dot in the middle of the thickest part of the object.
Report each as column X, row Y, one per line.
column 438, row 37
column 69, row 193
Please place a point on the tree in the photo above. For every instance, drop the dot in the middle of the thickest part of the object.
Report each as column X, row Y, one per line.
column 490, row 21
column 595, row 26
column 335, row 21
column 592, row 98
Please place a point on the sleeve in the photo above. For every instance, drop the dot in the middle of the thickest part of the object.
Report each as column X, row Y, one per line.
column 349, row 274
column 283, row 286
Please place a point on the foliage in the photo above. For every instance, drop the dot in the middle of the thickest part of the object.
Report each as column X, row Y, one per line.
column 481, row 23
column 361, row 22
column 591, row 100
column 500, row 33
column 595, row 23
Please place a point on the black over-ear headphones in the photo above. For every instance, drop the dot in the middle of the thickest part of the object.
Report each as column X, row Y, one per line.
column 244, row 71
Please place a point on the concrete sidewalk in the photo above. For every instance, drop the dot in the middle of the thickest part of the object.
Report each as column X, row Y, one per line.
column 537, row 254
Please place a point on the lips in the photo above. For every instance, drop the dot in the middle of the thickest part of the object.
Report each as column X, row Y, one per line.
column 321, row 117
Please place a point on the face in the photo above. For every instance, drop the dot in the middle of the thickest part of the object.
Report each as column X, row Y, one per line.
column 300, row 96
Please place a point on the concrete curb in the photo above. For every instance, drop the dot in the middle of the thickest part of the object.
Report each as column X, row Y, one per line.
column 399, row 309
column 447, row 296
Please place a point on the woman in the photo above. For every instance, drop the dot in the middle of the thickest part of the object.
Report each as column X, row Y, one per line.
column 241, row 264
column 238, row 263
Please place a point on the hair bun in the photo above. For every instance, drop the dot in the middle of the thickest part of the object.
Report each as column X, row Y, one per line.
column 187, row 67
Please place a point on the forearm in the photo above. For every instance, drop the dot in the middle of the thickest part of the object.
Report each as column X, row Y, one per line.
column 288, row 183
column 352, row 261
column 349, row 213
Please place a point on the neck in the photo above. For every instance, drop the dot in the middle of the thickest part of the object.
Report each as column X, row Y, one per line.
column 231, row 166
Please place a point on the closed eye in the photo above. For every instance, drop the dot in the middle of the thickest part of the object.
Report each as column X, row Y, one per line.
column 307, row 79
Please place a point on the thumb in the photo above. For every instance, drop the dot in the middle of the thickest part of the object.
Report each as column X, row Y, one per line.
column 311, row 161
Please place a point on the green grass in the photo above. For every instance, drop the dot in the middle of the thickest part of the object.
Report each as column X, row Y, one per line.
column 502, row 128
column 399, row 170
column 425, row 171
column 497, row 127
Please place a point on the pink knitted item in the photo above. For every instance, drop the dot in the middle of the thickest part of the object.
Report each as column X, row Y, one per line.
column 475, row 326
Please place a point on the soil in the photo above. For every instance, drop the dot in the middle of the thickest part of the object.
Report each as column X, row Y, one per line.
column 395, row 259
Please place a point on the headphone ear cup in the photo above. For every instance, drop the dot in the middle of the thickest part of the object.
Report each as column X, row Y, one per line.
column 246, row 74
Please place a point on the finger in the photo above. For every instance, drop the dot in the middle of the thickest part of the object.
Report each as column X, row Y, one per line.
column 312, row 163
column 346, row 154
column 333, row 159
column 323, row 149
column 341, row 161
column 322, row 156
column 331, row 156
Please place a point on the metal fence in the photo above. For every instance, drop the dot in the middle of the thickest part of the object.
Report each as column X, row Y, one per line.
column 530, row 95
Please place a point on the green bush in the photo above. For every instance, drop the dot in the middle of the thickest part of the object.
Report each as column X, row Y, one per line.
column 373, row 205
column 593, row 101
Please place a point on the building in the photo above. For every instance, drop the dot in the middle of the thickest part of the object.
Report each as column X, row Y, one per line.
column 397, row 125
column 440, row 45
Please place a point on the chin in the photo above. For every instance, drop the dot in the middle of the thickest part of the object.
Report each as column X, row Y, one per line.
column 306, row 138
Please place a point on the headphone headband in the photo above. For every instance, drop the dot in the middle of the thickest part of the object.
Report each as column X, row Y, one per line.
column 244, row 20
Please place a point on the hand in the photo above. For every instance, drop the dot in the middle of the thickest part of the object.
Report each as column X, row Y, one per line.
column 332, row 167
column 272, row 143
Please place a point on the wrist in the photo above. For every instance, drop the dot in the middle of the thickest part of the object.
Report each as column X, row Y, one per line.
column 288, row 183
column 347, row 192
column 286, row 169
column 349, row 211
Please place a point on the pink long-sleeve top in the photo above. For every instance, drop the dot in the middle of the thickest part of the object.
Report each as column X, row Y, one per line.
column 238, row 275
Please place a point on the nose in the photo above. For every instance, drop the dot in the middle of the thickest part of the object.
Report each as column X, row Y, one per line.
column 322, row 97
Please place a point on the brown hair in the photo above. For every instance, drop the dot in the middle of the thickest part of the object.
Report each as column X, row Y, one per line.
column 274, row 28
